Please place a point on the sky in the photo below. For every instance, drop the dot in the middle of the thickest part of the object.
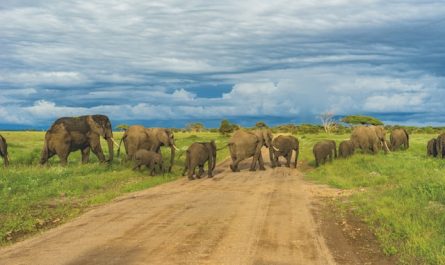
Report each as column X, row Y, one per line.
column 168, row 63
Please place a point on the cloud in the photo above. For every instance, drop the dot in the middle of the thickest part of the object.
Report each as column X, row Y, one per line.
column 139, row 60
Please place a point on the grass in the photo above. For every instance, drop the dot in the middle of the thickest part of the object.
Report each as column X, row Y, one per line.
column 403, row 199
column 35, row 197
column 402, row 194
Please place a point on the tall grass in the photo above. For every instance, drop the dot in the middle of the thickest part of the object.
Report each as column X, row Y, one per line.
column 403, row 199
column 34, row 197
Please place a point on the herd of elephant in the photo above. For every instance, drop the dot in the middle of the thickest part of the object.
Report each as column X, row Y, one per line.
column 143, row 145
column 370, row 139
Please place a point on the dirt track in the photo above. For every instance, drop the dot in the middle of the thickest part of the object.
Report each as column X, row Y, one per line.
column 261, row 217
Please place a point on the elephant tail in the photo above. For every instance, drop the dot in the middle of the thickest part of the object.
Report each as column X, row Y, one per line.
column 120, row 142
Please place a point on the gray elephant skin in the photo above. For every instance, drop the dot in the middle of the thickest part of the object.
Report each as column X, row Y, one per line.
column 4, row 150
column 244, row 144
column 399, row 138
column 138, row 137
column 152, row 160
column 440, row 145
column 431, row 148
column 197, row 155
column 346, row 148
column 369, row 138
column 284, row 145
column 70, row 134
column 323, row 151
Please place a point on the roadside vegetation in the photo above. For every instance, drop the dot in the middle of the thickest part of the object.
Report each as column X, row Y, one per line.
column 34, row 197
column 401, row 196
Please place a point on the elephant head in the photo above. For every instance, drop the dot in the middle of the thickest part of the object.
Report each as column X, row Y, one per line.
column 267, row 141
column 162, row 137
column 381, row 134
column 101, row 125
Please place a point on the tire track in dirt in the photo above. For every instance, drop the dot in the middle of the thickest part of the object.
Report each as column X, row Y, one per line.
column 261, row 217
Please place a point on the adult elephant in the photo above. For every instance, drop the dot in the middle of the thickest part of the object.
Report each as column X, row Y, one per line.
column 399, row 138
column 83, row 133
column 369, row 138
column 4, row 150
column 244, row 144
column 284, row 145
column 138, row 137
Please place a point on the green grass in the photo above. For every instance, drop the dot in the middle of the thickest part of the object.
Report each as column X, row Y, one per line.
column 403, row 199
column 35, row 197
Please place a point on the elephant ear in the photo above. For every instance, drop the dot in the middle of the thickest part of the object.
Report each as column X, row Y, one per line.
column 94, row 126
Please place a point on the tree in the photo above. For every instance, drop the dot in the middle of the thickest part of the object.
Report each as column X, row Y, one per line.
column 226, row 127
column 195, row 127
column 328, row 121
column 261, row 124
column 122, row 127
column 358, row 119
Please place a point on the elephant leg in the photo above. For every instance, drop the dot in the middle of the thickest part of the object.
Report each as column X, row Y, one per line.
column 261, row 162
column 85, row 155
column 256, row 158
column 191, row 172
column 185, row 170
column 97, row 150
column 234, row 165
column 277, row 159
column 210, row 169
column 201, row 171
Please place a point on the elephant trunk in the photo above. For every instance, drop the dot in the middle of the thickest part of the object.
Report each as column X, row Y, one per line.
column 271, row 156
column 172, row 157
column 44, row 154
column 110, row 142
column 386, row 149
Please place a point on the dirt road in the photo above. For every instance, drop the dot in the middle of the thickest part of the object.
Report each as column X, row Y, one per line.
column 261, row 217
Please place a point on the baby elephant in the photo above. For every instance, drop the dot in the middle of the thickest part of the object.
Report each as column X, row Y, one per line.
column 346, row 148
column 324, row 150
column 4, row 150
column 197, row 155
column 431, row 148
column 150, row 159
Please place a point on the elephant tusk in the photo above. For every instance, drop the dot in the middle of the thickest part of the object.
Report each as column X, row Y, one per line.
column 276, row 149
column 114, row 142
column 174, row 146
column 386, row 146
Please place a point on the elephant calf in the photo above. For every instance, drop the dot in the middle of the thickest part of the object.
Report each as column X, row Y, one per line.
column 150, row 159
column 346, row 148
column 324, row 150
column 4, row 150
column 283, row 146
column 399, row 139
column 431, row 148
column 197, row 155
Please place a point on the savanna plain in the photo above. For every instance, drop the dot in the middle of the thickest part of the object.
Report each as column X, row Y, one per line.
column 399, row 195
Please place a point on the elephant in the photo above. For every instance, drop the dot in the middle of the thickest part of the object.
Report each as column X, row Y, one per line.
column 150, row 159
column 324, row 150
column 69, row 134
column 138, row 137
column 399, row 139
column 283, row 145
column 244, row 144
column 440, row 145
column 4, row 150
column 369, row 138
column 431, row 148
column 197, row 155
column 346, row 148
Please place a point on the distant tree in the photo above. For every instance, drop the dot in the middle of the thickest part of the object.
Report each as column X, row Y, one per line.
column 358, row 119
column 122, row 127
column 261, row 124
column 226, row 127
column 328, row 121
column 195, row 127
